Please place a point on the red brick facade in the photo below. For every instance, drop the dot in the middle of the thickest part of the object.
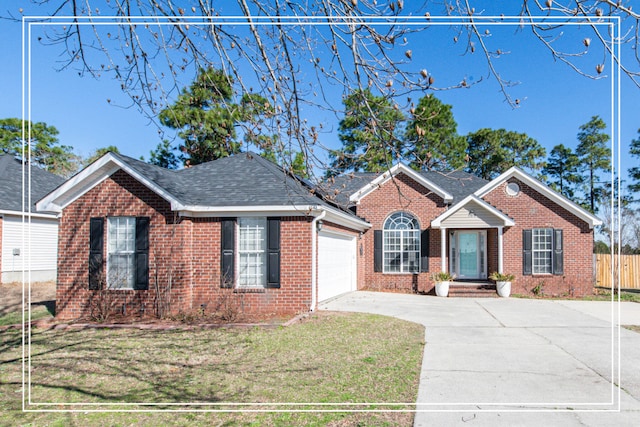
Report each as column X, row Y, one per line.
column 529, row 209
column 185, row 250
column 400, row 194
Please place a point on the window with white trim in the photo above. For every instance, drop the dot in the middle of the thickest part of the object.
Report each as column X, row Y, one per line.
column 542, row 250
column 252, row 252
column 401, row 244
column 121, row 252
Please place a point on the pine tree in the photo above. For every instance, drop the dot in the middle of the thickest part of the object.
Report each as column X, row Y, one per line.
column 595, row 156
column 492, row 152
column 432, row 138
column 370, row 134
column 563, row 170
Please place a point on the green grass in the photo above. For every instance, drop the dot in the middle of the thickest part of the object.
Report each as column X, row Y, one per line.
column 602, row 295
column 330, row 357
column 38, row 312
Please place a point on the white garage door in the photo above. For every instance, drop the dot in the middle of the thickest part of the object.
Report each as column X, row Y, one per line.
column 337, row 270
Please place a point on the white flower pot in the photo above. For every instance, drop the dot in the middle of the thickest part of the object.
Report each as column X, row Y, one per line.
column 442, row 289
column 504, row 289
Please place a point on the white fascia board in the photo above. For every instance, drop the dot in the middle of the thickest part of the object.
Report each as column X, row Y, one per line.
column 340, row 218
column 198, row 211
column 32, row 214
column 543, row 189
column 333, row 215
column 393, row 171
column 91, row 176
column 437, row 223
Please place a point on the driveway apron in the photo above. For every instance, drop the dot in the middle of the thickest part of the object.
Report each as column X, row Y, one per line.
column 497, row 361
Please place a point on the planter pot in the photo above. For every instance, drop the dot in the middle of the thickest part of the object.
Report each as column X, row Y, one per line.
column 442, row 289
column 504, row 289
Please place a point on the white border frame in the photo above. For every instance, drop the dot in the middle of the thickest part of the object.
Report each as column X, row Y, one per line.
column 614, row 25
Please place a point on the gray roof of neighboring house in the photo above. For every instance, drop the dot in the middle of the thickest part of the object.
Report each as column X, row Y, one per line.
column 42, row 182
column 244, row 179
column 457, row 183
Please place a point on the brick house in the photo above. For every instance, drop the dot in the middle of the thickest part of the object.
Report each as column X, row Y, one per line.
column 28, row 240
column 242, row 228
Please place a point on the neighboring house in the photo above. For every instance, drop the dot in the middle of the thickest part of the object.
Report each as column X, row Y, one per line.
column 19, row 233
column 242, row 228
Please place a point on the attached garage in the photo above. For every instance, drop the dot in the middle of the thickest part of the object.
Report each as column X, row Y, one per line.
column 337, row 264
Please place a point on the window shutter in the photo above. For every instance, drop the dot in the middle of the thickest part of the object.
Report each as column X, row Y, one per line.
column 96, row 247
column 424, row 251
column 527, row 254
column 377, row 250
column 273, row 252
column 142, row 254
column 558, row 267
column 227, row 245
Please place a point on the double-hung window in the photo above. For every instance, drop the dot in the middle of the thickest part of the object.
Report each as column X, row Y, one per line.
column 121, row 242
column 401, row 244
column 250, row 255
column 542, row 251
column 252, row 252
column 542, row 239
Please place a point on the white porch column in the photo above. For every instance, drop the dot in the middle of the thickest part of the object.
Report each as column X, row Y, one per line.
column 443, row 249
column 500, row 250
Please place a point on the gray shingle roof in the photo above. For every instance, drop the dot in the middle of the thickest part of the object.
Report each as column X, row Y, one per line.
column 244, row 179
column 42, row 182
column 457, row 183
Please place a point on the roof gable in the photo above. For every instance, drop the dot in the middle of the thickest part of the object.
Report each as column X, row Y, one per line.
column 482, row 215
column 543, row 189
column 390, row 174
column 236, row 185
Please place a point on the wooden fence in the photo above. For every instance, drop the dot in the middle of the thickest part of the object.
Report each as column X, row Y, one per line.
column 629, row 271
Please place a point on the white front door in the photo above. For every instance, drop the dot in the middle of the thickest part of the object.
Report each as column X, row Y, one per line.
column 468, row 259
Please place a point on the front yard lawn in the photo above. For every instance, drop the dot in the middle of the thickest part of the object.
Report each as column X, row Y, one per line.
column 329, row 357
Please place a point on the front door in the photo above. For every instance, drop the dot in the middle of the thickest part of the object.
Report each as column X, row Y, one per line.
column 468, row 254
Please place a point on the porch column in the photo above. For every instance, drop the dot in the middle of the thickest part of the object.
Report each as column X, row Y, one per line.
column 500, row 250
column 443, row 249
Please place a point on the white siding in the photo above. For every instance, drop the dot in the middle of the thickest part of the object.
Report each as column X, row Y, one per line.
column 481, row 218
column 44, row 244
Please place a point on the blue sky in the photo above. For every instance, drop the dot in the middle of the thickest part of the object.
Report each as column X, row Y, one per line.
column 555, row 99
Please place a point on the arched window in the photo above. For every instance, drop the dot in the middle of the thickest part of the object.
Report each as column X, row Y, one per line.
column 401, row 244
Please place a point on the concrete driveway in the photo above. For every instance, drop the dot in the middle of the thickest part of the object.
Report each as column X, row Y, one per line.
column 518, row 362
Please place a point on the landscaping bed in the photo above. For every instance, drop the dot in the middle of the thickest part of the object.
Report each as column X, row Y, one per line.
column 324, row 358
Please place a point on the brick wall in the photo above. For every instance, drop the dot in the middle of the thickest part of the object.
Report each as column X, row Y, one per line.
column 400, row 194
column 294, row 294
column 530, row 209
column 119, row 195
column 183, row 252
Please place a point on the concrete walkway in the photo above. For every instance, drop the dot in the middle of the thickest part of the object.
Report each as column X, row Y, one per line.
column 518, row 362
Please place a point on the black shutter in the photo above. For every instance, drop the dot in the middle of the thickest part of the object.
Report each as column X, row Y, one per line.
column 273, row 252
column 527, row 257
column 96, row 241
column 424, row 251
column 227, row 245
column 377, row 250
column 558, row 267
column 142, row 254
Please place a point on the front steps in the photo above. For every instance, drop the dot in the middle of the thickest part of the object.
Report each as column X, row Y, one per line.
column 472, row 290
